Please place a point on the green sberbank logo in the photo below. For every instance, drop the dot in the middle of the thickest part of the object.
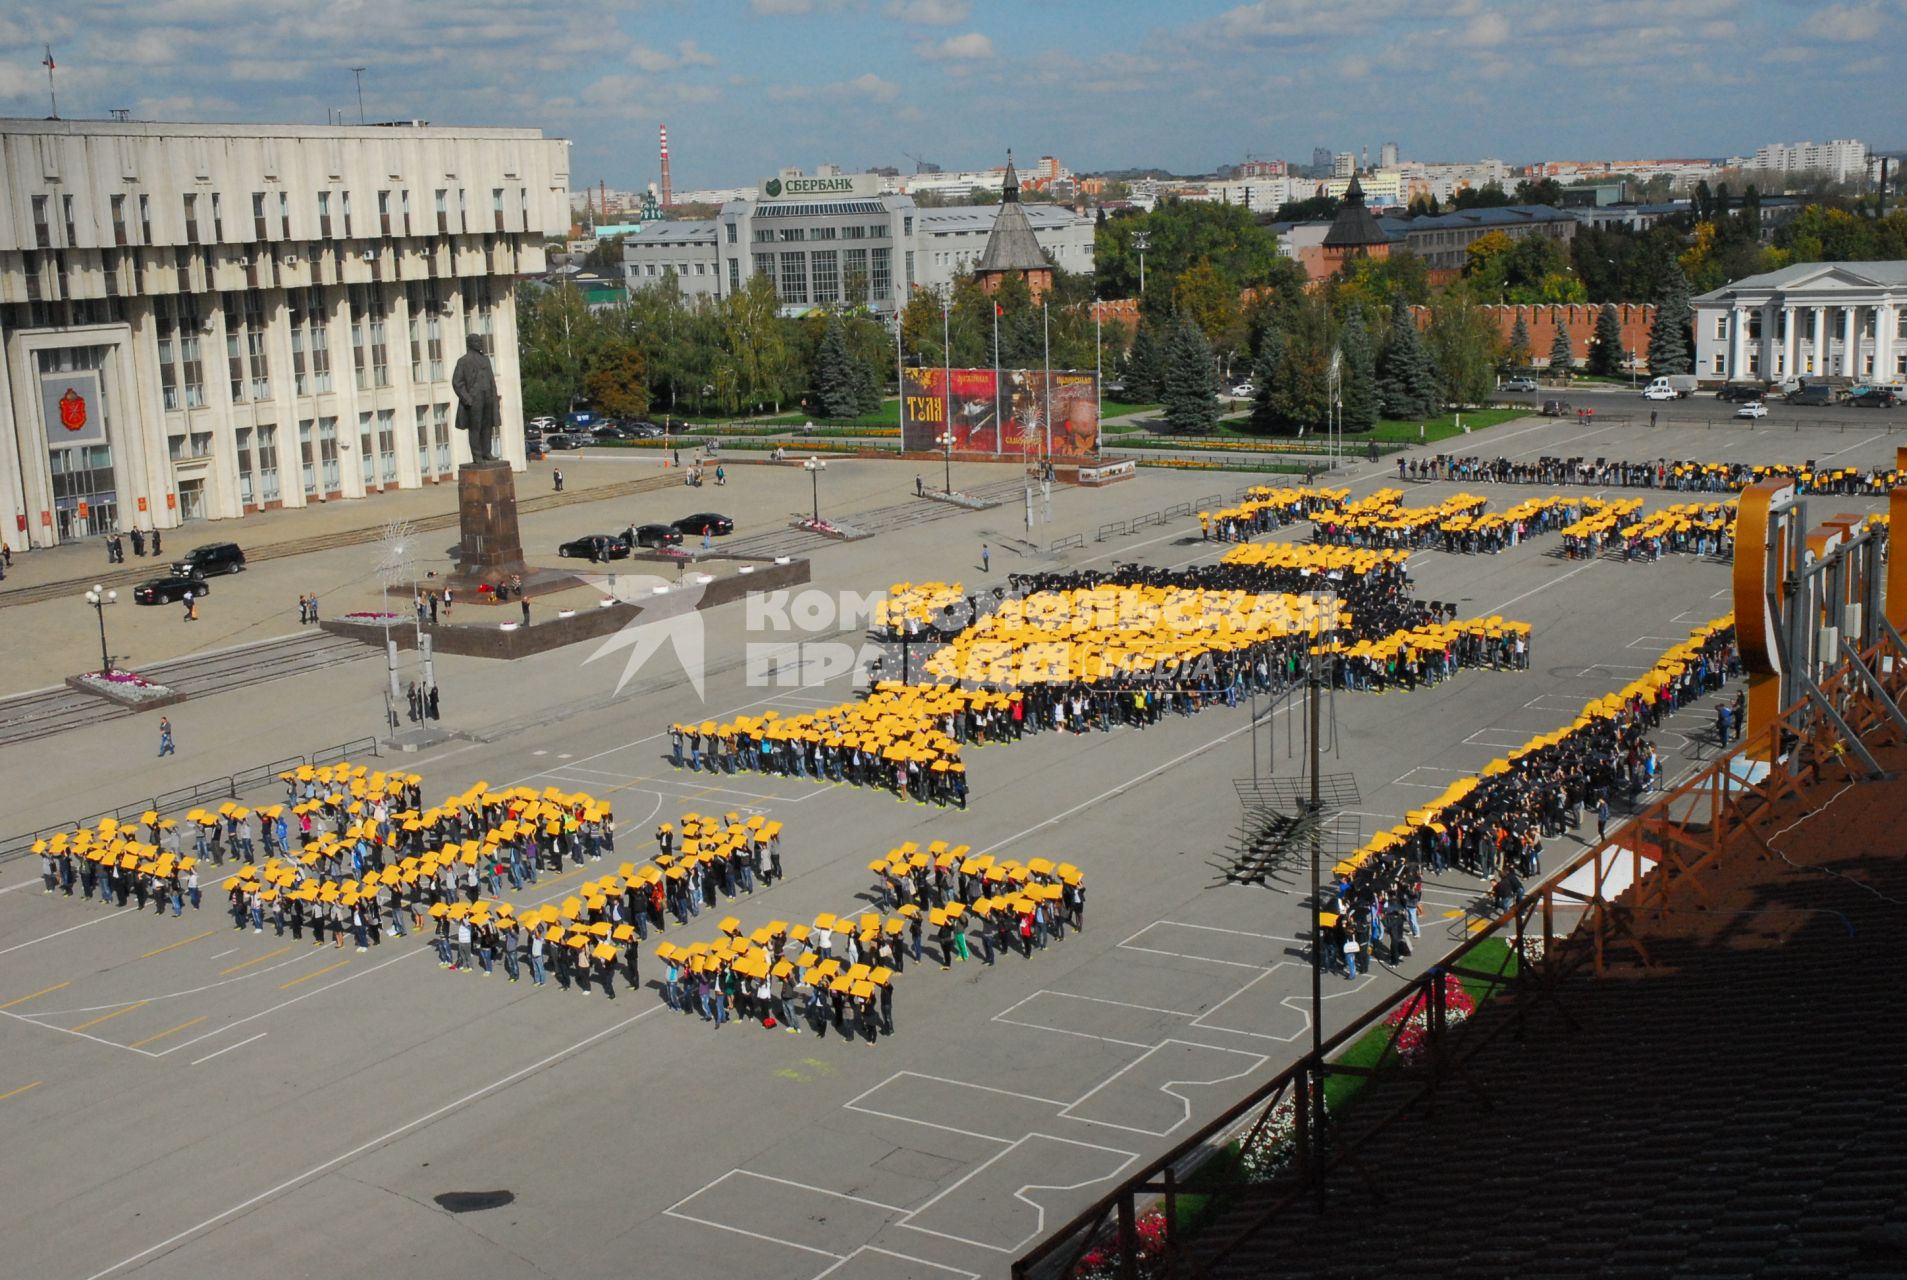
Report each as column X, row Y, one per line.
column 773, row 188
column 837, row 186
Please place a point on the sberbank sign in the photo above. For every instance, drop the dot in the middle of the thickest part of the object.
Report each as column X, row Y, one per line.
column 843, row 185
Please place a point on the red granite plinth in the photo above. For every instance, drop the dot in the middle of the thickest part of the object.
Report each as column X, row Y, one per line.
column 489, row 548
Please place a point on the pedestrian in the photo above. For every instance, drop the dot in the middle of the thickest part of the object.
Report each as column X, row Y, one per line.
column 1602, row 817
column 416, row 703
column 986, row 558
column 313, row 601
column 430, row 703
column 447, row 603
column 165, row 736
column 920, row 488
column 557, row 475
column 526, row 611
column 304, row 609
column 433, row 607
column 139, row 543
column 110, row 558
column 191, row 607
column 157, row 549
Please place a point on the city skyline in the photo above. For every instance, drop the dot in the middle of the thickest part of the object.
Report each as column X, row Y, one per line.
column 749, row 86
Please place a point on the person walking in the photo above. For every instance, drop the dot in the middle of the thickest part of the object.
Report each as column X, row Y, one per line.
column 557, row 475
column 525, row 602
column 986, row 558
column 188, row 615
column 920, row 488
column 1602, row 817
column 165, row 737
column 304, row 609
column 313, row 601
column 432, row 597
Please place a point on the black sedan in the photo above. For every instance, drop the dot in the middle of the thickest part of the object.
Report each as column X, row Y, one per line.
column 596, row 547
column 705, row 522
column 170, row 589
column 657, row 535
column 551, row 443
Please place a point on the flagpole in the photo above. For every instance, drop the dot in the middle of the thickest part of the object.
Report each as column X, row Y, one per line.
column 1046, row 348
column 946, row 355
column 52, row 96
column 999, row 421
column 1099, row 378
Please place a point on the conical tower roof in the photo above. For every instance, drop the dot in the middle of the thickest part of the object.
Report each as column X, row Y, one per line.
column 1354, row 227
column 1011, row 245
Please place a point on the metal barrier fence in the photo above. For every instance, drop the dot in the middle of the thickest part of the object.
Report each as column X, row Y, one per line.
column 1722, row 808
column 1070, row 540
column 229, row 787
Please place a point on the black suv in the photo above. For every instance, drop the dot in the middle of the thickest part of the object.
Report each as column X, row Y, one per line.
column 1740, row 392
column 203, row 562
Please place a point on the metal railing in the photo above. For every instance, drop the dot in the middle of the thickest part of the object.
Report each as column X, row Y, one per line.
column 1723, row 808
column 228, row 787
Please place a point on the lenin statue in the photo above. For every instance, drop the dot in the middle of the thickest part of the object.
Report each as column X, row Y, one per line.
column 478, row 411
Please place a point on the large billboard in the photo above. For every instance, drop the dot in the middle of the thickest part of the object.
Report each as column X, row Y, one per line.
column 1006, row 416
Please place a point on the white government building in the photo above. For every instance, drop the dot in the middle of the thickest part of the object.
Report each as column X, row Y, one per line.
column 838, row 238
column 204, row 320
column 1811, row 320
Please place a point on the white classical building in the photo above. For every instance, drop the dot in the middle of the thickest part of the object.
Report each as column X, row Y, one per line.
column 203, row 320
column 1811, row 320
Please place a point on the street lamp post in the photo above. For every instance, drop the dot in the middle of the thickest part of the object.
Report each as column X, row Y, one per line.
column 1140, row 239
column 814, row 467
column 99, row 598
column 946, row 442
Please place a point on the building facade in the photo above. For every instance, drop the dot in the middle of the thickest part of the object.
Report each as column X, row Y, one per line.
column 1811, row 320
column 204, row 320
column 839, row 239
column 1841, row 159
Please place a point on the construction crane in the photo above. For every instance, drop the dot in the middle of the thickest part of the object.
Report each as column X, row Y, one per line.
column 921, row 165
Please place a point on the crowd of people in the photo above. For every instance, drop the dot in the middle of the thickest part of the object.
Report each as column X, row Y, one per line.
column 1492, row 825
column 1688, row 528
column 1672, row 474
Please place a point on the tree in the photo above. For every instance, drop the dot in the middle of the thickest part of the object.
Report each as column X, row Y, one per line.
column 1539, row 191
column 1562, row 356
column 1605, row 351
column 1406, row 379
column 1463, row 344
column 1144, row 364
column 1203, row 296
column 1357, row 376
column 1520, row 349
column 1299, row 397
column 1181, row 233
column 1671, row 336
column 1190, row 389
column 1489, row 196
column 1266, row 414
column 618, row 385
column 843, row 385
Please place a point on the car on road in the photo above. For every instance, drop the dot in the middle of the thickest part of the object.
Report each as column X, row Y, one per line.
column 213, row 557
column 557, row 440
column 544, row 423
column 167, row 590
column 1244, row 391
column 1659, row 393
column 613, row 431
column 595, row 546
column 1555, row 409
column 1875, row 398
column 1518, row 384
column 657, row 535
column 1753, row 409
column 1739, row 392
column 705, row 522
column 643, row 429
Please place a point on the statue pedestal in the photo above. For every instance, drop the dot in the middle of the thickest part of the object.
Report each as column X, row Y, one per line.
column 489, row 548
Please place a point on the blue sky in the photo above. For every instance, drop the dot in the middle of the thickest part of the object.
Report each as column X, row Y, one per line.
column 747, row 86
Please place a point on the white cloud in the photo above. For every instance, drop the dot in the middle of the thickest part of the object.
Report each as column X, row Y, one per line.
column 1844, row 22
column 970, row 47
column 782, row 8
column 929, row 13
column 1487, row 30
column 687, row 54
column 865, row 86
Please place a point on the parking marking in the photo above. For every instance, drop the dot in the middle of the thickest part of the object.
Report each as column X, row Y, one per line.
column 171, row 946
column 43, row 991
column 14, row 1093
column 257, row 960
column 228, row 1048
column 904, row 1257
column 332, row 968
column 163, row 1034
column 108, row 1016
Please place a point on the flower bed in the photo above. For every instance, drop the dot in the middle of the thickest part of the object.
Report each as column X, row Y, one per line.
column 828, row 529
column 1225, row 464
column 1413, row 1017
column 126, row 688
column 362, row 616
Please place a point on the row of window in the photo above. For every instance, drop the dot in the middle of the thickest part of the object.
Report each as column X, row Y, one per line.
column 826, row 275
column 271, row 215
column 1718, row 364
column 770, row 235
column 1867, row 320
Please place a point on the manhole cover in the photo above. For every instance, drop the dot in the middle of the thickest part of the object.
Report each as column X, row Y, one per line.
column 472, row 1201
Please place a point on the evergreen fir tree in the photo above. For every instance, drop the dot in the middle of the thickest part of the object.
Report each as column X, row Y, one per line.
column 1562, row 356
column 1406, row 377
column 837, row 389
column 1605, row 353
column 1520, row 349
column 1143, row 364
column 1266, row 414
column 1357, row 375
column 1190, row 380
column 1669, row 338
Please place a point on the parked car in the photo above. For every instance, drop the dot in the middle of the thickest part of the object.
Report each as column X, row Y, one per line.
column 214, row 557
column 557, row 440
column 705, row 521
column 167, row 590
column 643, row 429
column 613, row 431
column 1753, row 409
column 1244, row 391
column 657, row 535
column 545, row 423
column 1739, row 392
column 1659, row 393
column 1876, row 398
column 1518, row 384
column 1814, row 394
column 596, row 546
column 1556, row 408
